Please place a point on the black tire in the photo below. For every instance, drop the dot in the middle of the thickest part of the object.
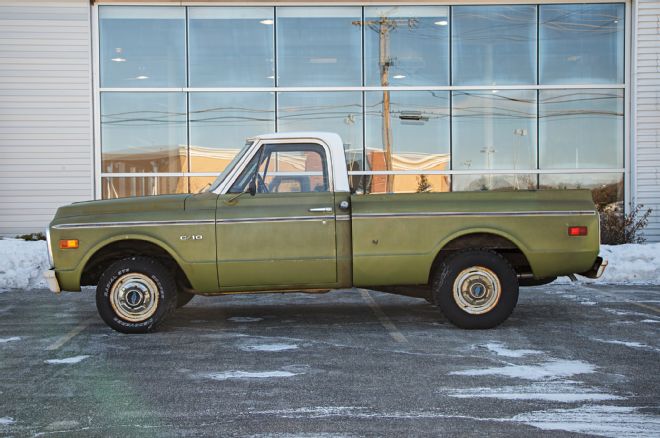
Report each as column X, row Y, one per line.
column 459, row 265
column 153, row 275
column 183, row 298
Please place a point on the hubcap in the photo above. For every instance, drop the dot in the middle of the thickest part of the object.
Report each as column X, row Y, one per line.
column 477, row 290
column 134, row 297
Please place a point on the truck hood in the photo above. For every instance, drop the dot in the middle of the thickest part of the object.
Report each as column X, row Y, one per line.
column 124, row 205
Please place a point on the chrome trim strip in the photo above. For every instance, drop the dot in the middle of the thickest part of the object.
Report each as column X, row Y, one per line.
column 475, row 213
column 275, row 219
column 133, row 224
column 343, row 218
column 51, row 261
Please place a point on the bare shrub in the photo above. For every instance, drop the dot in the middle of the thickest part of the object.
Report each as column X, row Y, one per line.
column 617, row 228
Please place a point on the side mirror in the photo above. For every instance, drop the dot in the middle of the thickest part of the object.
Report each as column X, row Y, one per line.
column 252, row 187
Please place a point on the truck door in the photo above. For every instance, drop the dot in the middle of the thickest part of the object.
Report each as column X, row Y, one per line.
column 283, row 233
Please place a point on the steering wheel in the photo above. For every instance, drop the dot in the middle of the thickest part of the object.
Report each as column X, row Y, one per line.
column 261, row 185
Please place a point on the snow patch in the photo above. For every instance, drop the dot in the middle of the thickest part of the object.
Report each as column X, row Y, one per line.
column 12, row 339
column 269, row 347
column 227, row 375
column 609, row 421
column 501, row 350
column 550, row 370
column 22, row 264
column 630, row 264
column 68, row 360
column 562, row 392
column 7, row 420
column 244, row 319
column 651, row 321
column 626, row 343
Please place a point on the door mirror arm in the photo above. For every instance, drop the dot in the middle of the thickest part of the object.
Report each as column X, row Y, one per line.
column 251, row 188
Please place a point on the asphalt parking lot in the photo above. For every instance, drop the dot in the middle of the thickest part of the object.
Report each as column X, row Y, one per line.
column 571, row 360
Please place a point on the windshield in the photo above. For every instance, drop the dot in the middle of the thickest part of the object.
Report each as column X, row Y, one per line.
column 230, row 166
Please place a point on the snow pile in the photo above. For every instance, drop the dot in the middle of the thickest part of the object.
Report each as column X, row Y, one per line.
column 631, row 264
column 22, row 264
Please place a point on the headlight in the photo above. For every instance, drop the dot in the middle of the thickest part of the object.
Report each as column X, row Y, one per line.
column 50, row 249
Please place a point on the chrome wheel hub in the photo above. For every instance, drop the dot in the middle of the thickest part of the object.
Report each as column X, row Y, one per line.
column 477, row 290
column 134, row 297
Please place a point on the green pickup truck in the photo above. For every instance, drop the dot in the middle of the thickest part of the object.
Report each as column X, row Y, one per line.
column 281, row 217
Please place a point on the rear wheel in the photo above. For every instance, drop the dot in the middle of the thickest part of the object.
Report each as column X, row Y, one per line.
column 475, row 289
column 135, row 295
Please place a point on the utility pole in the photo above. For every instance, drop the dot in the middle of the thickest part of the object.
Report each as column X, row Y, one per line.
column 384, row 26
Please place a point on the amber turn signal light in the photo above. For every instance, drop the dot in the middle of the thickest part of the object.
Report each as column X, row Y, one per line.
column 69, row 244
column 577, row 231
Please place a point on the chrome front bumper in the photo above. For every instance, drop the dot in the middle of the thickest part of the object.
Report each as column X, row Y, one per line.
column 51, row 279
column 596, row 270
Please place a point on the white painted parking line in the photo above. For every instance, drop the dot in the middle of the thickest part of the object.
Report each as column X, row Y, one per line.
column 384, row 320
column 67, row 337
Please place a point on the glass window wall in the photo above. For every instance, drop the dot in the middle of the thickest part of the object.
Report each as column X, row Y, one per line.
column 220, row 123
column 494, row 129
column 493, row 45
column 581, row 129
column 319, row 46
column 236, row 62
column 142, row 46
column 581, row 43
column 231, row 47
column 143, row 132
column 406, row 45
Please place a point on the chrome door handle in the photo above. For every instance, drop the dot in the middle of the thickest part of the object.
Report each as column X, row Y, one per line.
column 321, row 210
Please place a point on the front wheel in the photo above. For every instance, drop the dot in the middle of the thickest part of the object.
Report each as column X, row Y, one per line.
column 135, row 295
column 476, row 289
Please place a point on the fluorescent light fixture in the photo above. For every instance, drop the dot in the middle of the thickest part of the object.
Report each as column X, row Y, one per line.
column 142, row 77
column 266, row 22
column 495, row 91
column 270, row 77
column 323, row 60
column 119, row 59
column 441, row 23
column 398, row 76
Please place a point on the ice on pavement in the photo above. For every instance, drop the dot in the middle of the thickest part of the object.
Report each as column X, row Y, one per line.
column 68, row 360
column 7, row 420
column 552, row 369
column 12, row 339
column 269, row 347
column 226, row 375
column 502, row 350
column 553, row 391
column 22, row 264
column 603, row 420
column 244, row 319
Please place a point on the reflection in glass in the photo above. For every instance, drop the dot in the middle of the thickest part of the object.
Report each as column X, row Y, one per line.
column 198, row 184
column 406, row 45
column 475, row 183
column 339, row 112
column 581, row 129
column 231, row 47
column 142, row 46
column 494, row 129
column 320, row 46
column 606, row 188
column 406, row 130
column 122, row 187
column 221, row 122
column 493, row 45
column 581, row 43
column 374, row 184
column 143, row 132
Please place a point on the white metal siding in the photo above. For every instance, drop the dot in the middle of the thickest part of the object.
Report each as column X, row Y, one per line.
column 45, row 110
column 647, row 111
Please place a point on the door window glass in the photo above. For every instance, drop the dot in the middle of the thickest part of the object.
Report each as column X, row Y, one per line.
column 296, row 168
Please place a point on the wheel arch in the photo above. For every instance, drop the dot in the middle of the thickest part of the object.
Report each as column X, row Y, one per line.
column 104, row 253
column 501, row 242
